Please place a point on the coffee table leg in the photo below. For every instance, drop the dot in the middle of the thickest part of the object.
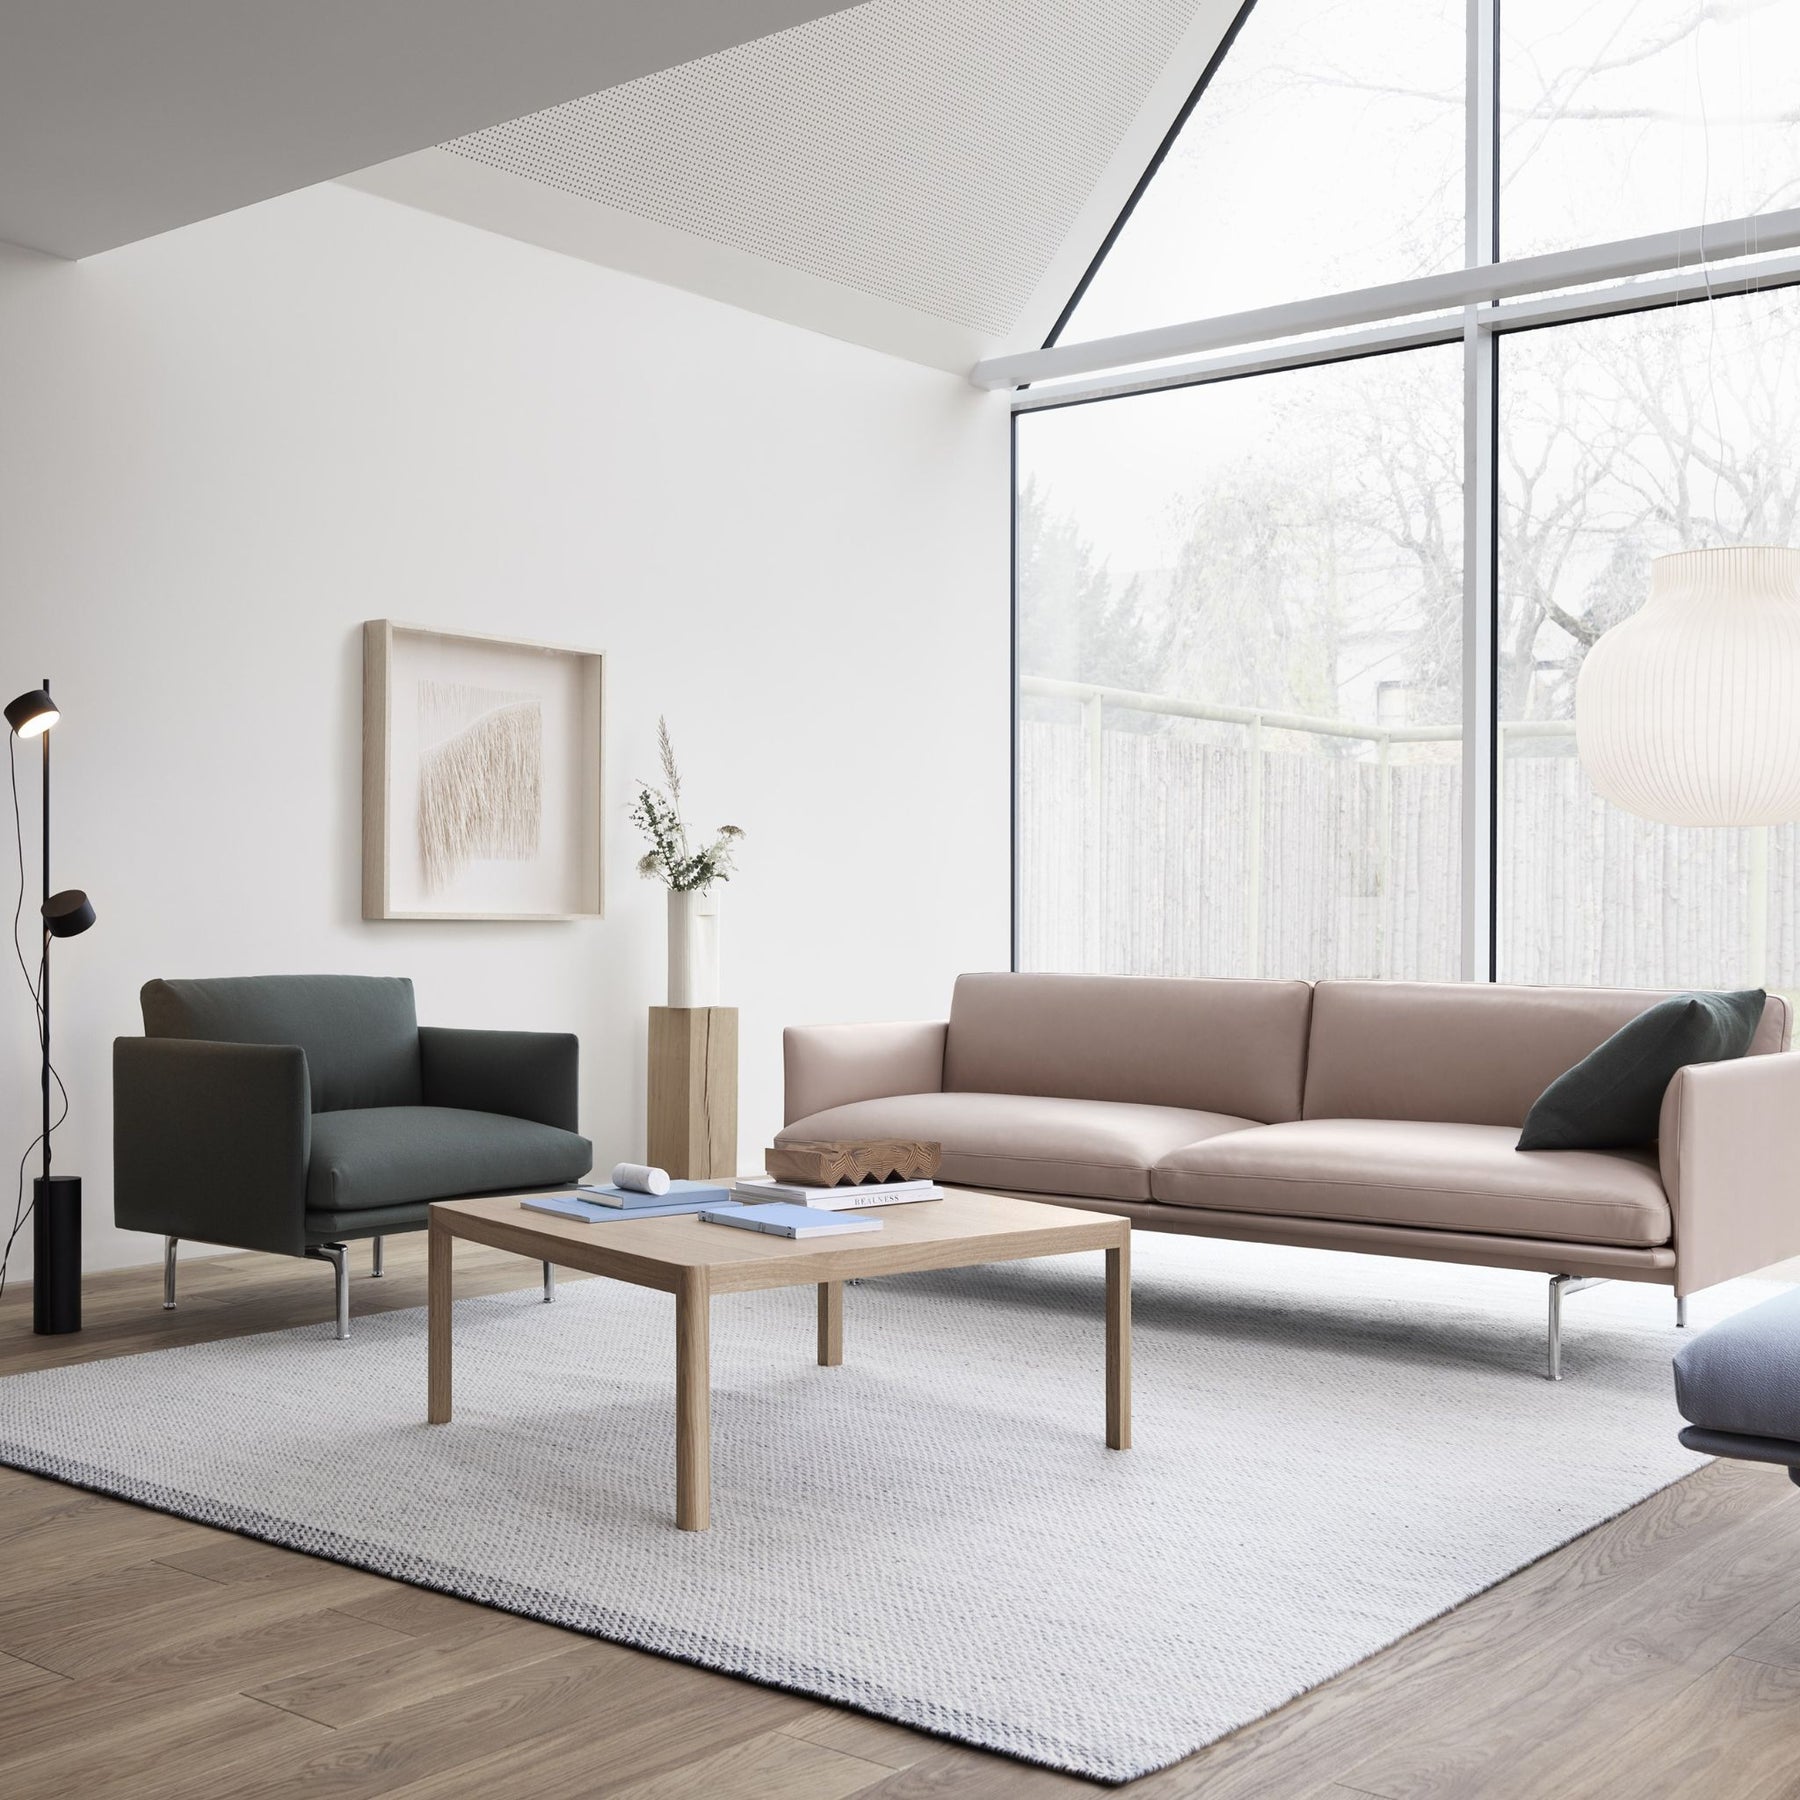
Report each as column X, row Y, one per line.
column 693, row 1403
column 439, row 1299
column 1118, row 1347
column 831, row 1324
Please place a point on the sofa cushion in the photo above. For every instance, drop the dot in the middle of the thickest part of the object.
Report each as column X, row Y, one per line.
column 1743, row 1375
column 1613, row 1097
column 360, row 1032
column 1464, row 1051
column 1088, row 1149
column 1233, row 1047
column 398, row 1155
column 1433, row 1176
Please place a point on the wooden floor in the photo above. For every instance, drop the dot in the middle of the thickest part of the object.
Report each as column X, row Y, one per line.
column 144, row 1656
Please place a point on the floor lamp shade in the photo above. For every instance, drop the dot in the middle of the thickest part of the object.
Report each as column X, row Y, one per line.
column 31, row 714
column 68, row 914
column 1688, row 712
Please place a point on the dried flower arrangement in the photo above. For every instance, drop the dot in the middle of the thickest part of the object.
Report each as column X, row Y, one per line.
column 657, row 814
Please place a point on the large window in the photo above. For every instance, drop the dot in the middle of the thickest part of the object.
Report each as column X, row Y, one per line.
column 1622, row 438
column 1619, row 117
column 1240, row 624
column 1299, row 623
column 1326, row 153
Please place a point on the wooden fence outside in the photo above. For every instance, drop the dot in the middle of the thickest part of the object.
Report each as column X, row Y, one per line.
column 1230, row 845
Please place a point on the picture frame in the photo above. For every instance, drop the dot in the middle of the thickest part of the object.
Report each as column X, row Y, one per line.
column 483, row 776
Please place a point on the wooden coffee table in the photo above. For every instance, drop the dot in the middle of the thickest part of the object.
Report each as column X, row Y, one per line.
column 692, row 1261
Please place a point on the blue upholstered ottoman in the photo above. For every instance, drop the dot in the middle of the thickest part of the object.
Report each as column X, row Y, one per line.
column 1738, row 1386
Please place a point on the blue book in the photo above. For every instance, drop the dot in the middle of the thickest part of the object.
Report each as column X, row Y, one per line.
column 590, row 1212
column 710, row 1193
column 782, row 1220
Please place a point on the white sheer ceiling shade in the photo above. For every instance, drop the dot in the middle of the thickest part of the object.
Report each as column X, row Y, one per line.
column 1688, row 712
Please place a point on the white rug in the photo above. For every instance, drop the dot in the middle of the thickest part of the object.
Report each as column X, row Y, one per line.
column 1330, row 1450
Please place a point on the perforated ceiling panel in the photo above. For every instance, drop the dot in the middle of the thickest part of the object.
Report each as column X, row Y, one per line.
column 931, row 152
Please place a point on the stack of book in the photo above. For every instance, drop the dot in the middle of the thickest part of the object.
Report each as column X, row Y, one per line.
column 595, row 1203
column 844, row 1198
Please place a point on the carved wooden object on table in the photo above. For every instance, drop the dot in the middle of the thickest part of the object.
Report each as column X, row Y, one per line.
column 848, row 1164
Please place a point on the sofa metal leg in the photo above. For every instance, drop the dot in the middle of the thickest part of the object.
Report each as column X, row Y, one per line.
column 1560, row 1285
column 169, row 1244
column 549, row 1282
column 377, row 1262
column 1681, row 1312
column 338, row 1255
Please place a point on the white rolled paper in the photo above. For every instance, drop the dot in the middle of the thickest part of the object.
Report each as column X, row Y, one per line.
column 639, row 1178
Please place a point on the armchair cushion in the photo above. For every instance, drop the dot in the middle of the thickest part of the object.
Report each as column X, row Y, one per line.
column 370, row 1221
column 382, row 1156
column 360, row 1032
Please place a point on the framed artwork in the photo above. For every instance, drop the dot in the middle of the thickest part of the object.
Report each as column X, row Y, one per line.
column 481, row 776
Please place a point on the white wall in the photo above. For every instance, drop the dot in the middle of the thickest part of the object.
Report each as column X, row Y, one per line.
column 222, row 450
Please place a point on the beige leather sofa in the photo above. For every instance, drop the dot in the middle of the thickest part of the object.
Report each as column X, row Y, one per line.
column 1348, row 1115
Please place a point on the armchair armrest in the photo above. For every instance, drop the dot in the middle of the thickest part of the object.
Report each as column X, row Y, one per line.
column 525, row 1074
column 1730, row 1155
column 832, row 1065
column 211, row 1141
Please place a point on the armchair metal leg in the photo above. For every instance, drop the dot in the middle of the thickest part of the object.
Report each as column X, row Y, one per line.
column 169, row 1244
column 549, row 1282
column 1560, row 1285
column 338, row 1255
column 1681, row 1312
column 377, row 1262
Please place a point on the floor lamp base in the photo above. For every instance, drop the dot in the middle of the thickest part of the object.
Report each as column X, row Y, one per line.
column 56, row 1254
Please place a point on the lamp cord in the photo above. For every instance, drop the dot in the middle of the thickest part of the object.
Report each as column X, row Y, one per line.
column 21, row 1210
column 1712, row 315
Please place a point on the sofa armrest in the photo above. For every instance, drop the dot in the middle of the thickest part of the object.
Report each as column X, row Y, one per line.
column 1730, row 1149
column 211, row 1141
column 524, row 1074
column 832, row 1065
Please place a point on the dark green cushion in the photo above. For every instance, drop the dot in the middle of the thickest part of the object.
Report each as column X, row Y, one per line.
column 1612, row 1099
column 360, row 1032
column 399, row 1155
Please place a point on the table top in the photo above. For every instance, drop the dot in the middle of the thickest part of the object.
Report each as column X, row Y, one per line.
column 669, row 1252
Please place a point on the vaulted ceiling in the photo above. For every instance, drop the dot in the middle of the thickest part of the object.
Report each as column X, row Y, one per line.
column 928, row 177
column 120, row 119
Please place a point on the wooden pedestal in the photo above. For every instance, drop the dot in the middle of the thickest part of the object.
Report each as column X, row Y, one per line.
column 693, row 1123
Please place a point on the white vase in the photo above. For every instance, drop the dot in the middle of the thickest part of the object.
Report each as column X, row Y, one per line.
column 694, row 947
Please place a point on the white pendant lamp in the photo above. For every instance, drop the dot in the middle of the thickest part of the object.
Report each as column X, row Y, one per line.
column 1688, row 712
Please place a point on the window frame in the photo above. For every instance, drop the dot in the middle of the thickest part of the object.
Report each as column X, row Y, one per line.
column 1666, row 270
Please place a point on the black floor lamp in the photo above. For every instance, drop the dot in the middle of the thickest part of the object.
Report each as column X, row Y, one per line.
column 55, row 1199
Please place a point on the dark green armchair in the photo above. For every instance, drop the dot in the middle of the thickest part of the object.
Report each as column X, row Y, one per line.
column 294, row 1113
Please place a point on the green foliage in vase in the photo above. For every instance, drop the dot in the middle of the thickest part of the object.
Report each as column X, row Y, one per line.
column 657, row 814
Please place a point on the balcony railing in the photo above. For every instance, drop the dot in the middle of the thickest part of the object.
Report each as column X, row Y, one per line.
column 1095, row 701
